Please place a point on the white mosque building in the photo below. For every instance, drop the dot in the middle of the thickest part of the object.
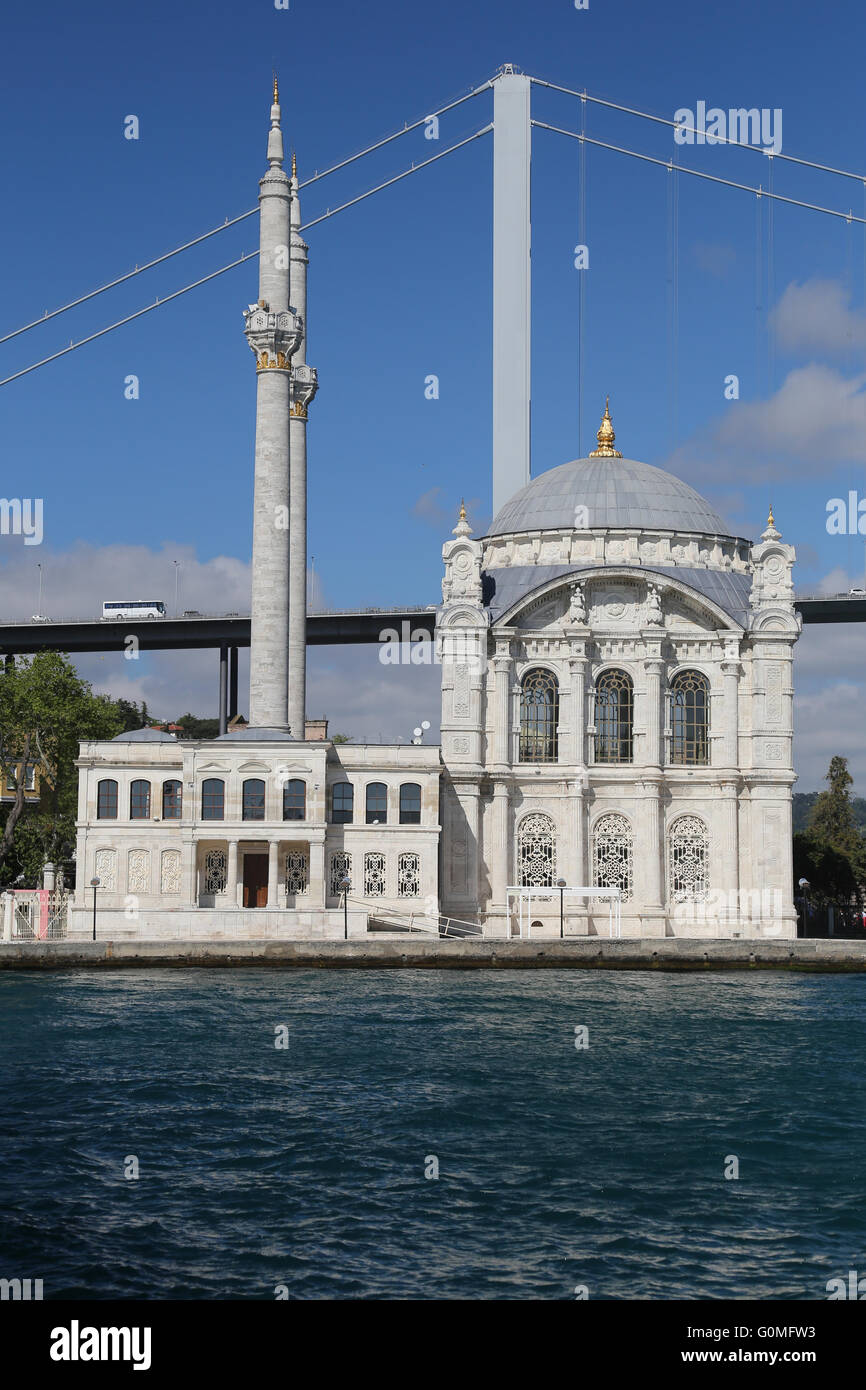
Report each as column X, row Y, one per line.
column 616, row 713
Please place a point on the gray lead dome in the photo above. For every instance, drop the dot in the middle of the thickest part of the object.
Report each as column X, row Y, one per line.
column 617, row 493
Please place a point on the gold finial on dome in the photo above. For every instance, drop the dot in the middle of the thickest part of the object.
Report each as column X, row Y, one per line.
column 771, row 520
column 294, row 166
column 605, row 436
column 276, row 92
column 462, row 516
column 462, row 528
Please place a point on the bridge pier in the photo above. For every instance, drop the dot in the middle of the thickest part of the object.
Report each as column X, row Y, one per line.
column 233, row 682
column 224, row 685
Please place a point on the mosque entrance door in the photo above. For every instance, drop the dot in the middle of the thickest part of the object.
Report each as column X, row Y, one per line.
column 255, row 880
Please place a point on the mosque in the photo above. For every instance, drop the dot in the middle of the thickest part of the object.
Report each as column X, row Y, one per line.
column 616, row 714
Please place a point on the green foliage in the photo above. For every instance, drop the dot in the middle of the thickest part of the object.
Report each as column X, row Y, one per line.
column 193, row 727
column 831, row 851
column 341, row 738
column 804, row 801
column 45, row 709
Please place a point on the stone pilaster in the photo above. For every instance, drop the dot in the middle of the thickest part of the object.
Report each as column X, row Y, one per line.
column 232, row 875
column 273, row 872
column 730, row 713
column 502, row 706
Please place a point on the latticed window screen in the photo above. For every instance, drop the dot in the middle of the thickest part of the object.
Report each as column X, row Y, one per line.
column 612, row 854
column 297, row 872
column 688, row 860
column 536, row 851
column 374, row 875
column 409, row 876
column 614, row 711
column 690, row 718
column 341, row 867
column 539, row 715
column 215, row 871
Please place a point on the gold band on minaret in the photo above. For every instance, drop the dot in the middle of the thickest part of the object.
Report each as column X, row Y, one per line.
column 605, row 436
column 276, row 92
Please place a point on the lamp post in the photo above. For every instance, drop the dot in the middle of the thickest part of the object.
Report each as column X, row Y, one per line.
column 804, row 886
column 345, row 884
column 561, row 885
column 94, row 883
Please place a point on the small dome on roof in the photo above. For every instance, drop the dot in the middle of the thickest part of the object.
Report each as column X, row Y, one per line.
column 144, row 736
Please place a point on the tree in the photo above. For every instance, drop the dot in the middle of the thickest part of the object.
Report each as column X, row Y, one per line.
column 833, row 821
column 194, row 727
column 45, row 709
column 341, row 738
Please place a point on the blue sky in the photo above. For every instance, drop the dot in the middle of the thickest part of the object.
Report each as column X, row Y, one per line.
column 400, row 288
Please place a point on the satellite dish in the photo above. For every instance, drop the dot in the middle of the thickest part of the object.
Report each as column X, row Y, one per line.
column 425, row 723
column 416, row 733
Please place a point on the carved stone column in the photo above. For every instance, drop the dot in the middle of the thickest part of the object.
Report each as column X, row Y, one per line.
column 499, row 853
column 731, row 727
column 728, row 858
column 232, row 876
column 577, row 666
column 501, row 712
column 273, row 872
column 652, row 845
column 653, row 712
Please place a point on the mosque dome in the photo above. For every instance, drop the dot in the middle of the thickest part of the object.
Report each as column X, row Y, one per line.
column 146, row 735
column 616, row 492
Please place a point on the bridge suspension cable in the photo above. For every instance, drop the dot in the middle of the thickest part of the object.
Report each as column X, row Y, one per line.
column 717, row 139
column 760, row 191
column 247, row 256
column 233, row 221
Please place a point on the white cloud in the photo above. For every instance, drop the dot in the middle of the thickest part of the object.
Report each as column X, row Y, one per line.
column 817, row 317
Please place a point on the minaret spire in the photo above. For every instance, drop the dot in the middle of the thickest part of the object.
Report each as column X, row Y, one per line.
column 273, row 330
column 304, row 385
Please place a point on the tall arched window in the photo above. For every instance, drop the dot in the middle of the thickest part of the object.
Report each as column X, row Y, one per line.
column 536, row 851
column 172, row 800
column 106, row 799
column 614, row 712
column 612, row 854
column 410, row 803
column 539, row 715
column 295, row 800
column 342, row 802
column 377, row 803
column 690, row 718
column 139, row 800
column 213, row 798
column 688, row 860
column 254, row 799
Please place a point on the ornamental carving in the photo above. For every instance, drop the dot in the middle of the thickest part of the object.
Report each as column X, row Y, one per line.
column 105, row 864
column 138, row 871
column 341, row 867
column 169, row 878
column 215, row 871
column 536, row 851
column 612, row 854
column 409, row 876
column 297, row 873
column 374, row 875
column 688, row 860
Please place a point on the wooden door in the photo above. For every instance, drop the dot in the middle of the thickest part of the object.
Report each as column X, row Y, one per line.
column 255, row 880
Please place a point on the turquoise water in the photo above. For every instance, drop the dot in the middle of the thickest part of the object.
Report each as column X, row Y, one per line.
column 305, row 1167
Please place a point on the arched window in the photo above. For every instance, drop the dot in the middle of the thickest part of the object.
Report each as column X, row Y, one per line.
column 409, row 876
column 139, row 800
column 341, row 867
column 688, row 860
column 539, row 715
column 213, row 798
column 342, row 802
column 377, row 803
column 536, row 851
column 690, row 718
column 295, row 800
column 612, row 854
column 106, row 799
column 172, row 800
column 614, row 710
column 410, row 804
column 374, row 875
column 254, row 799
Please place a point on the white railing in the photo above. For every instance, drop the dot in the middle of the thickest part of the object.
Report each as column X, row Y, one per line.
column 525, row 895
column 35, row 914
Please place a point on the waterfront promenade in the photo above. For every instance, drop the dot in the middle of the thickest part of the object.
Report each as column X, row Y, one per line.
column 675, row 953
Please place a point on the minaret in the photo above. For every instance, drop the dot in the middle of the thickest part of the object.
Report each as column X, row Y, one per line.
column 302, row 389
column 273, row 332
